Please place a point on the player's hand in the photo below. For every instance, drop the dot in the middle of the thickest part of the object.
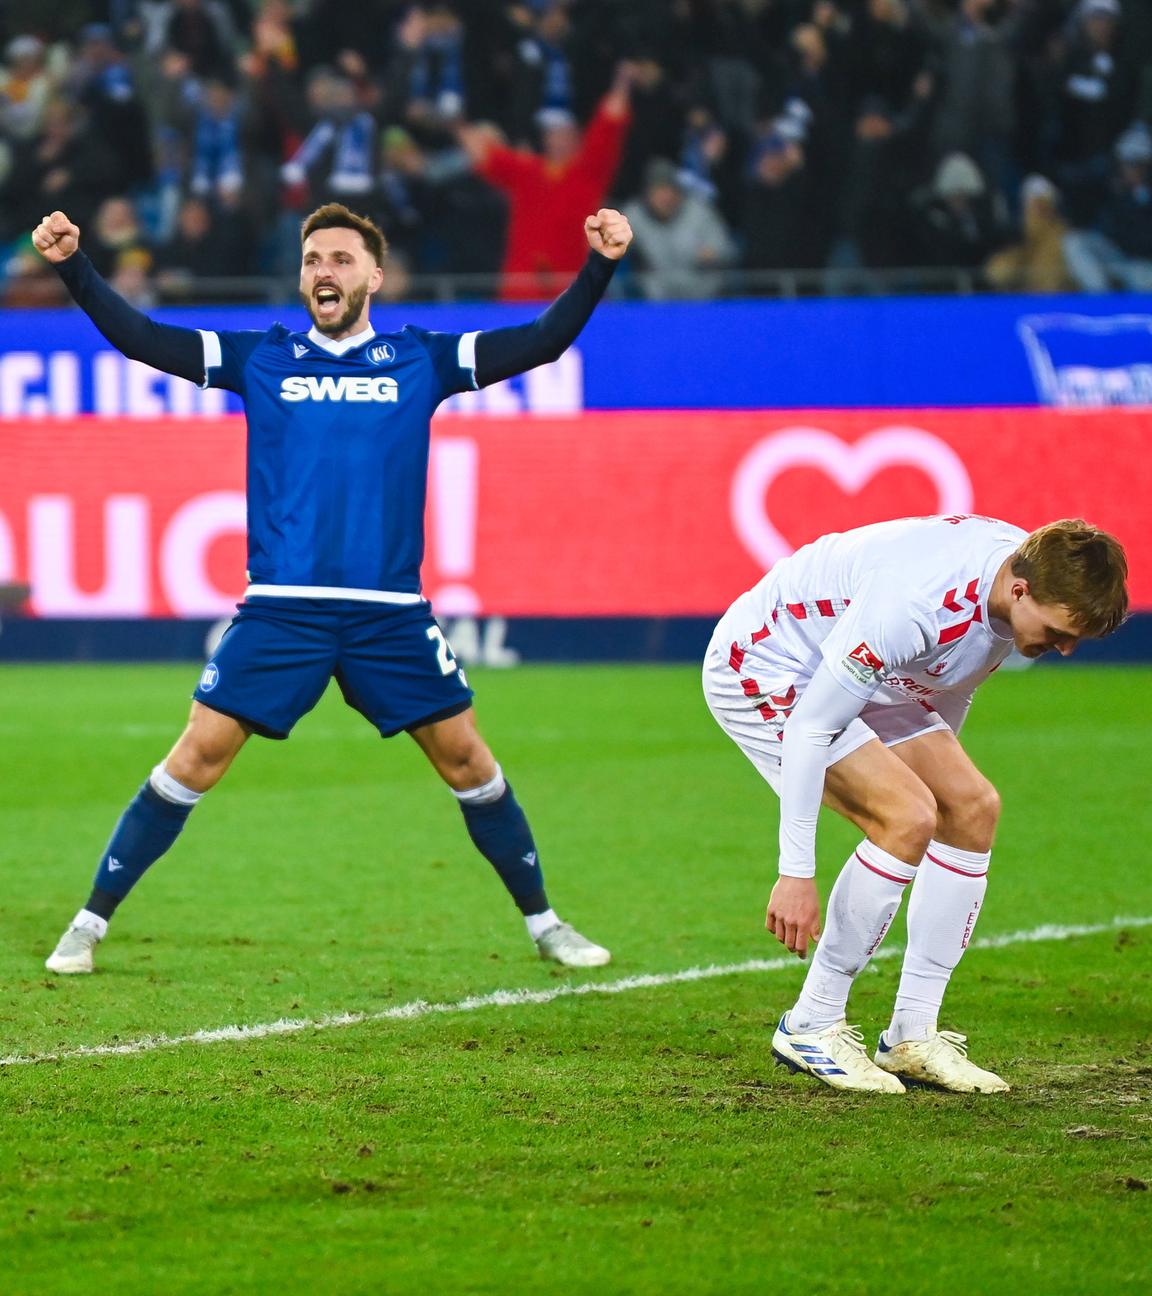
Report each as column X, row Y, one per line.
column 608, row 233
column 794, row 914
column 56, row 238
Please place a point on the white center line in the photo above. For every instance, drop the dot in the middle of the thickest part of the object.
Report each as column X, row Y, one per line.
column 515, row 998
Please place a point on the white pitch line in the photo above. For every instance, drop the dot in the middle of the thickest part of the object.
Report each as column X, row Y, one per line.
column 515, row 998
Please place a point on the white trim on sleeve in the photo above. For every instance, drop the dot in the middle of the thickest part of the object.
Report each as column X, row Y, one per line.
column 213, row 355
column 466, row 354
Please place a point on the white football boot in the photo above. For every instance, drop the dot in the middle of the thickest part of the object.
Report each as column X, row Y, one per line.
column 940, row 1060
column 73, row 953
column 563, row 944
column 835, row 1055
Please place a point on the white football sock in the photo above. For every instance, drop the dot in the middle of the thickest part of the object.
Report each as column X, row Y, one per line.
column 86, row 918
column 540, row 923
column 861, row 907
column 486, row 793
column 942, row 912
column 163, row 784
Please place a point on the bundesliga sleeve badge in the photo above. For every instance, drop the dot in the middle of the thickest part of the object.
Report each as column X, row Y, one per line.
column 863, row 664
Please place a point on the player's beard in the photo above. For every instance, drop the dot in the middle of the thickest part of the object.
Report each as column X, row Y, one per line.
column 354, row 304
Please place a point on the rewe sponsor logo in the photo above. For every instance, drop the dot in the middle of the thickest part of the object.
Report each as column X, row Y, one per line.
column 344, row 388
column 905, row 685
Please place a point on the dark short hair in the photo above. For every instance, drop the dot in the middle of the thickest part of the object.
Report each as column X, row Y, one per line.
column 337, row 216
column 1073, row 564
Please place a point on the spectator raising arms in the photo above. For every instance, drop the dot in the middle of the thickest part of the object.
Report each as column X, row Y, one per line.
column 546, row 190
column 476, row 133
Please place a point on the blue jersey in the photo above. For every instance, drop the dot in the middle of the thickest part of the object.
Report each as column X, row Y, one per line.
column 338, row 445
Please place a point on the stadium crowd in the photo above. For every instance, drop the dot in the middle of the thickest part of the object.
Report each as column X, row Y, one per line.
column 187, row 137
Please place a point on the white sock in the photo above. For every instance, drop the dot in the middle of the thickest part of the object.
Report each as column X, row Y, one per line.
column 942, row 912
column 163, row 784
column 539, row 923
column 861, row 907
column 86, row 918
column 486, row 793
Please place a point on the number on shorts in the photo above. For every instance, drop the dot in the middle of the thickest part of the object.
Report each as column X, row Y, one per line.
column 444, row 658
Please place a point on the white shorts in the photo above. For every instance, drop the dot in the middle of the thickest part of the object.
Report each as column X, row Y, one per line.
column 753, row 698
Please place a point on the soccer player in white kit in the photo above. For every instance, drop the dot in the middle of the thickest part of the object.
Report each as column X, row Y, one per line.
column 844, row 676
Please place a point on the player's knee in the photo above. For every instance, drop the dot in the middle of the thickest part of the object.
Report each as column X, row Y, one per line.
column 466, row 765
column 909, row 832
column 972, row 814
column 199, row 763
column 988, row 807
column 198, row 769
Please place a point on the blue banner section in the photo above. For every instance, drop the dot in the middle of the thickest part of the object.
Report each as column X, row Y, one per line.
column 1080, row 352
column 486, row 641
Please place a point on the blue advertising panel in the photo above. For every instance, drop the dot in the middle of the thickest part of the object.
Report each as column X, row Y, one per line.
column 1084, row 352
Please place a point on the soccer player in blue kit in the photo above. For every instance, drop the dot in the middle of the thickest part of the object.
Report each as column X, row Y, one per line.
column 338, row 439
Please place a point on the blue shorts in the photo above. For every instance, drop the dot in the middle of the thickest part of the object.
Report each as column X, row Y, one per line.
column 393, row 664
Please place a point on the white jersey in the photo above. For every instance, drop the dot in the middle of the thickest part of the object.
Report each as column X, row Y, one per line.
column 898, row 610
column 896, row 614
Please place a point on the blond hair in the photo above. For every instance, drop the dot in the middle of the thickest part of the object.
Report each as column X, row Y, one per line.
column 1075, row 565
column 337, row 216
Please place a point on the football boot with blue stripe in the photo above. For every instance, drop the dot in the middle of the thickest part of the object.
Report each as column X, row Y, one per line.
column 836, row 1056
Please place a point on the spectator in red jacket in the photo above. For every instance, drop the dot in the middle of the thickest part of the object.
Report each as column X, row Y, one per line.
column 546, row 191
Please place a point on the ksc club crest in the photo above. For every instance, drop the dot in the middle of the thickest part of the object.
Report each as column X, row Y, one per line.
column 210, row 678
column 382, row 353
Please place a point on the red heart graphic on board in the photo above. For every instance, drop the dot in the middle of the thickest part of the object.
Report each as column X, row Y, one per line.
column 851, row 465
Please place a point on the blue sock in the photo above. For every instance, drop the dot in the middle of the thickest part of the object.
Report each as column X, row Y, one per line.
column 146, row 830
column 501, row 834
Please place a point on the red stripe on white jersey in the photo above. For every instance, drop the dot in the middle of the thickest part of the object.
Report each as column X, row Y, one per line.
column 824, row 607
column 951, row 633
column 736, row 657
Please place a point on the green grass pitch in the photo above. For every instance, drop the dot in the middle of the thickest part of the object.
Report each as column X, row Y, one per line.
column 638, row 1142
